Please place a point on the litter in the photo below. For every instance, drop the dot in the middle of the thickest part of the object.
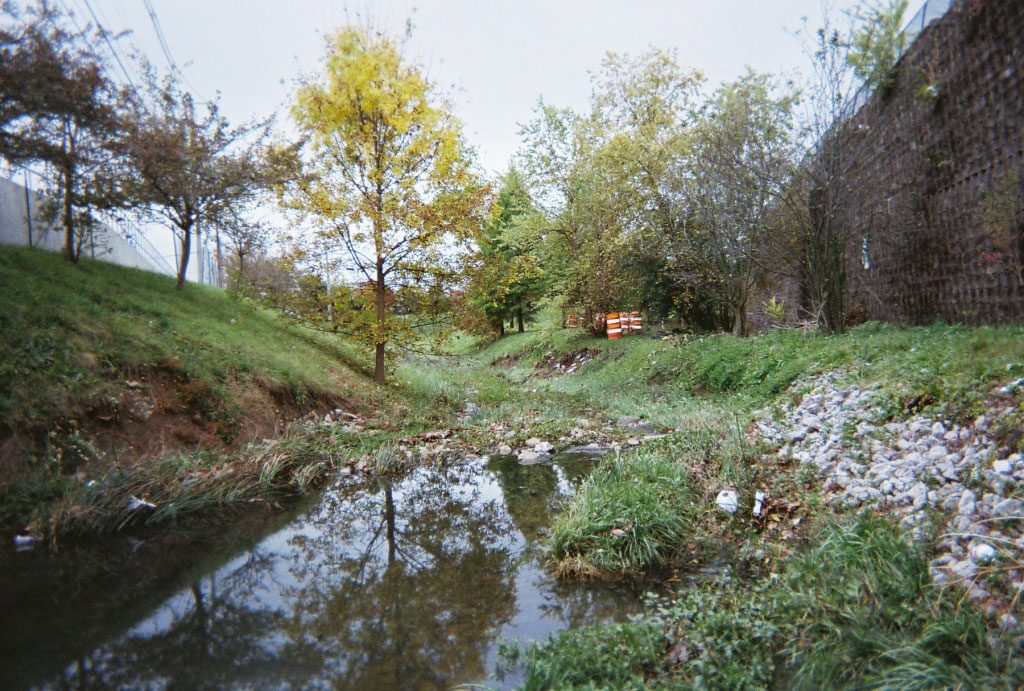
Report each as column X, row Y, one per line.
column 25, row 541
column 758, row 502
column 727, row 500
column 135, row 503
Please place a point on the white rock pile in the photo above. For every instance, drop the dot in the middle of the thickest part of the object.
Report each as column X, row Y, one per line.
column 940, row 479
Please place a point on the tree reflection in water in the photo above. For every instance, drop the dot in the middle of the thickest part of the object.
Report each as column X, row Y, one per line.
column 402, row 584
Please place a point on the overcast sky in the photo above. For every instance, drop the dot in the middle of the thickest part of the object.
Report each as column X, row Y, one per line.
column 498, row 56
column 495, row 57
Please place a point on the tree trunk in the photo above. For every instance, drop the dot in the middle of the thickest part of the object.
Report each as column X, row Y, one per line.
column 220, row 259
column 28, row 210
column 199, row 255
column 739, row 321
column 379, row 297
column 186, row 245
column 69, row 217
column 519, row 319
column 501, row 327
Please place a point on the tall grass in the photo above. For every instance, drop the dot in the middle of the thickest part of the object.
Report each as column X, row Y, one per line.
column 628, row 516
column 185, row 484
column 864, row 614
column 857, row 610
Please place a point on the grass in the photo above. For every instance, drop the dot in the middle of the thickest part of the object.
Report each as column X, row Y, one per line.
column 183, row 484
column 630, row 515
column 857, row 610
column 949, row 367
column 610, row 656
column 72, row 334
column 75, row 336
column 865, row 614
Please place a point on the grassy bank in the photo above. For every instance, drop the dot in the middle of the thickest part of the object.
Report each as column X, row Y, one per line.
column 113, row 384
column 855, row 611
column 816, row 600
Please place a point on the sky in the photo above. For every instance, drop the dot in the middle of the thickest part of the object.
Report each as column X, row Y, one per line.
column 495, row 57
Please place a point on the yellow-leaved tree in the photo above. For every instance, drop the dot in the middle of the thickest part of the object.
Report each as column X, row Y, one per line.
column 386, row 173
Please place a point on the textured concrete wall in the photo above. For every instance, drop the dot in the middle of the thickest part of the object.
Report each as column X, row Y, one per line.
column 14, row 230
column 933, row 205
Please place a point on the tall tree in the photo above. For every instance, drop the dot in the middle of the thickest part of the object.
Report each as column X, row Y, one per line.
column 647, row 106
column 388, row 174
column 506, row 276
column 742, row 160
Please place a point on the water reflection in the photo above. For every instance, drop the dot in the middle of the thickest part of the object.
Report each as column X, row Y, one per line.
column 405, row 584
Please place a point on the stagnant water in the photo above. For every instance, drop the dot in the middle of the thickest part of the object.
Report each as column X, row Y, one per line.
column 410, row 583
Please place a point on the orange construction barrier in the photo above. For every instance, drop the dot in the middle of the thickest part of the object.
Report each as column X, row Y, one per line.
column 624, row 322
column 614, row 326
column 636, row 324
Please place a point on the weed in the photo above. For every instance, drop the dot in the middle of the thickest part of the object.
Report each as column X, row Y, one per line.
column 629, row 515
column 867, row 616
column 609, row 656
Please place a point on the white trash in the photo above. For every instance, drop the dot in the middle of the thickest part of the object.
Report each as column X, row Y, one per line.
column 25, row 541
column 727, row 500
column 134, row 503
column 758, row 502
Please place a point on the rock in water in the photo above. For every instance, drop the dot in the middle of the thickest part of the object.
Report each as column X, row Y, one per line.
column 530, row 457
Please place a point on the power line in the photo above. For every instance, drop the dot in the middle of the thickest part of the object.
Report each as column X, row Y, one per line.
column 155, row 21
column 110, row 45
column 166, row 48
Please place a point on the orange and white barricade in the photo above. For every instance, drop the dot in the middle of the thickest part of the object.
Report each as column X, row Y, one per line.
column 614, row 326
column 636, row 324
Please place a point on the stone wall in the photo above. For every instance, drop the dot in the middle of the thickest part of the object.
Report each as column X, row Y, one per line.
column 933, row 200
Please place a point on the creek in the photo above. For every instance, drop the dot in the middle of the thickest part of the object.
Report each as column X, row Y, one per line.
column 411, row 582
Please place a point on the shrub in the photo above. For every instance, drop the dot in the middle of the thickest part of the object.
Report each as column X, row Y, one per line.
column 629, row 515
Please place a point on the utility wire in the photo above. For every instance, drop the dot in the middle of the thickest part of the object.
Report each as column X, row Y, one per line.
column 155, row 21
column 110, row 45
column 166, row 48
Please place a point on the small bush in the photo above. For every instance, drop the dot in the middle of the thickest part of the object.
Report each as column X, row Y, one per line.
column 629, row 515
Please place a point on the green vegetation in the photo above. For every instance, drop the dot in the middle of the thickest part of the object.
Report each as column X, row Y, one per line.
column 861, row 611
column 696, row 379
column 845, row 604
column 856, row 611
column 179, row 485
column 611, row 656
column 629, row 515
column 71, row 336
column 80, row 341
